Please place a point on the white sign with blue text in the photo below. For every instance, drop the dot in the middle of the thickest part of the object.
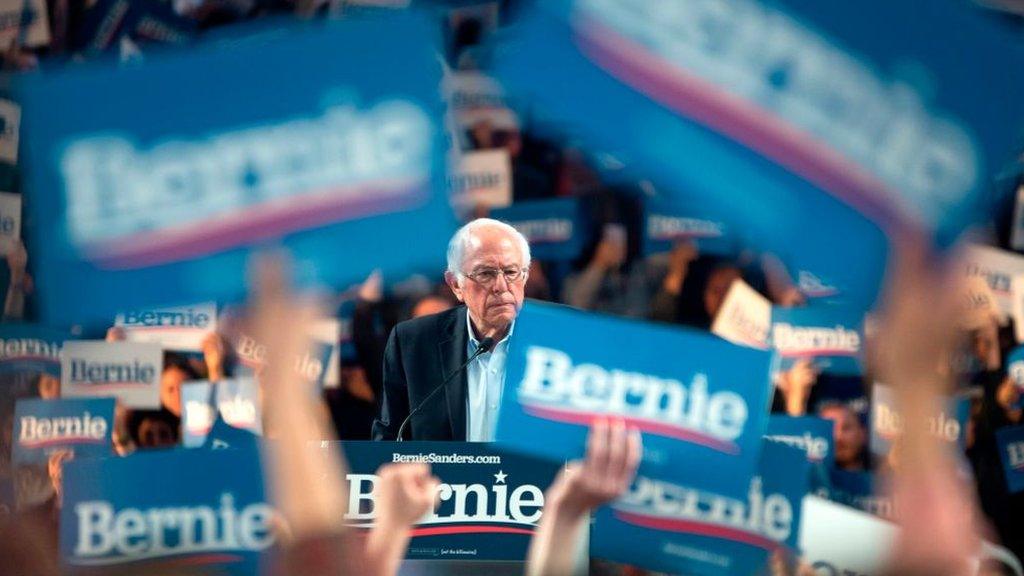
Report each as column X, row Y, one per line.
column 177, row 328
column 128, row 370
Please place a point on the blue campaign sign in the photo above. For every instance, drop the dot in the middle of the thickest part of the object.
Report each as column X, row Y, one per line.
column 490, row 501
column 556, row 229
column 808, row 433
column 813, row 123
column 1011, row 451
column 83, row 426
column 667, row 221
column 858, row 490
column 949, row 424
column 144, row 184
column 671, row 527
column 157, row 511
column 567, row 368
column 832, row 336
column 30, row 348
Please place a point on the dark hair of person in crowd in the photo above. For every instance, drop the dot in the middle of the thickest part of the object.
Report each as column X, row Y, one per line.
column 154, row 428
column 706, row 283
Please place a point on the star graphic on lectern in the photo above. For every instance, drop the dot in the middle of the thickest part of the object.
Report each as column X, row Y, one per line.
column 499, row 478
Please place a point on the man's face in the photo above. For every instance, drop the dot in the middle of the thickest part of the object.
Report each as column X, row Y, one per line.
column 492, row 300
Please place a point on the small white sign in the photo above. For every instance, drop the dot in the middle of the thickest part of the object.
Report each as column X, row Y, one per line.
column 177, row 328
column 745, row 317
column 130, row 371
column 836, row 539
column 978, row 305
column 998, row 267
column 481, row 178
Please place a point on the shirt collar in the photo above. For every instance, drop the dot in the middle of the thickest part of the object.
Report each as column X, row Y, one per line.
column 474, row 343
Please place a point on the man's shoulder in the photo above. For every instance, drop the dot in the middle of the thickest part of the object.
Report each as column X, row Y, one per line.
column 431, row 324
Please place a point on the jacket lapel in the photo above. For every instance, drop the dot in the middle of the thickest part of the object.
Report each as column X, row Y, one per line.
column 452, row 349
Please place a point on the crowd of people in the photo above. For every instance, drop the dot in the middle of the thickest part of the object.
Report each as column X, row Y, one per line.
column 683, row 286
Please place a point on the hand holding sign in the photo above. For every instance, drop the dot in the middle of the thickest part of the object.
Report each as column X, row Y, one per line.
column 613, row 454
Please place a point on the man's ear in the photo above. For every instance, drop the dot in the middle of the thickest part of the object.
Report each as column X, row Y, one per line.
column 453, row 282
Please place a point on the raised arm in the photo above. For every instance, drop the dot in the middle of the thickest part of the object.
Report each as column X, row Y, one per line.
column 613, row 454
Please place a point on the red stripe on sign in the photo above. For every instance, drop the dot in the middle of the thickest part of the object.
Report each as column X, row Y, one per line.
column 472, row 529
column 696, row 528
column 743, row 121
column 643, row 424
column 268, row 220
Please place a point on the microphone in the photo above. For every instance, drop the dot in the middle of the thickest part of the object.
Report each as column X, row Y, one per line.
column 485, row 346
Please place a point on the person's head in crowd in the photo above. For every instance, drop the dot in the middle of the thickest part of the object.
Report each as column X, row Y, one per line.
column 707, row 281
column 177, row 370
column 55, row 468
column 849, row 436
column 47, row 385
column 154, row 428
column 431, row 304
column 488, row 264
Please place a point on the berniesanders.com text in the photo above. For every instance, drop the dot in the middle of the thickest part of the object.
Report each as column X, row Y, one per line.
column 435, row 458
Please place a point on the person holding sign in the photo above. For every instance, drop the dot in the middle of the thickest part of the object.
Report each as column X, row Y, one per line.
column 444, row 373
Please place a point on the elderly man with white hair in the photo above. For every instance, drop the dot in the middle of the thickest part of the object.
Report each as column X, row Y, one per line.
column 444, row 373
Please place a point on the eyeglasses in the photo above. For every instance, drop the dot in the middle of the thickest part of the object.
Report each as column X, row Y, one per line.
column 488, row 276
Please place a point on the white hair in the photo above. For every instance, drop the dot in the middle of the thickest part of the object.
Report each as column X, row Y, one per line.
column 461, row 240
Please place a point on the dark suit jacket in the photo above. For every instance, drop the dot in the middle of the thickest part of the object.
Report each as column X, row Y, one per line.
column 419, row 354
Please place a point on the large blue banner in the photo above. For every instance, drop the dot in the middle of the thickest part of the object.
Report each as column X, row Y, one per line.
column 814, row 124
column 831, row 336
column 694, row 397
column 208, row 507
column 83, row 426
column 154, row 511
column 490, row 501
column 153, row 191
column 1011, row 451
column 672, row 527
column 555, row 229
